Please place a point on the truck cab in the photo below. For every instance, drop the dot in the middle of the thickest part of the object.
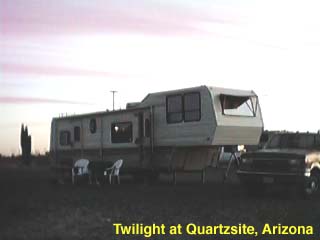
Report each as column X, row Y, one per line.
column 287, row 158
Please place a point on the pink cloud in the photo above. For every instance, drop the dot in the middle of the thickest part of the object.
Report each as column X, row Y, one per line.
column 55, row 71
column 64, row 17
column 31, row 100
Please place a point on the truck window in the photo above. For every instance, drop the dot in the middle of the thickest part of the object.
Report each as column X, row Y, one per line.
column 174, row 109
column 192, row 107
column 64, row 138
column 121, row 132
column 76, row 133
column 291, row 140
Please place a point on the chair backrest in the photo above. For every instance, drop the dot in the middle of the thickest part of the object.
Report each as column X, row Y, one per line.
column 116, row 167
column 82, row 164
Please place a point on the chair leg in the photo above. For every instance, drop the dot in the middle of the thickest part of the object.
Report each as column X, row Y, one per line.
column 72, row 172
column 174, row 177
column 97, row 182
column 229, row 167
column 110, row 179
column 203, row 176
column 118, row 179
column 90, row 178
column 104, row 177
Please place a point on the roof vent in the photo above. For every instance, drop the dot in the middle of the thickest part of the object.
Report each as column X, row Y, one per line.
column 132, row 105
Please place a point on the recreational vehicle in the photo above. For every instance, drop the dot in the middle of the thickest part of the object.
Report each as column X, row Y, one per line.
column 180, row 130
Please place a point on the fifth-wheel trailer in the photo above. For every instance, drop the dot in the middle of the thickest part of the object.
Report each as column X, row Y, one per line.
column 170, row 131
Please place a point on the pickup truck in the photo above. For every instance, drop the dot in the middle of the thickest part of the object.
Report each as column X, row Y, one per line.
column 287, row 158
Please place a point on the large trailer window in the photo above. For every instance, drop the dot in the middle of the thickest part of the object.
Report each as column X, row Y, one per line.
column 121, row 132
column 174, row 109
column 76, row 133
column 186, row 107
column 64, row 138
column 238, row 105
column 191, row 105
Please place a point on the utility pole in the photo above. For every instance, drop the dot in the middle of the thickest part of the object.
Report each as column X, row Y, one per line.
column 113, row 92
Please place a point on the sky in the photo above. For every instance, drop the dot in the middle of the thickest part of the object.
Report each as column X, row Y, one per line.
column 66, row 56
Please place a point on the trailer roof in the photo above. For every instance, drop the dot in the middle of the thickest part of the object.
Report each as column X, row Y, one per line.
column 213, row 91
column 101, row 113
column 230, row 91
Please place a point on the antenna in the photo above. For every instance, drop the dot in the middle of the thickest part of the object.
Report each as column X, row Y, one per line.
column 113, row 92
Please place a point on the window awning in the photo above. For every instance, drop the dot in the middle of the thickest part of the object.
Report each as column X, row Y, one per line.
column 232, row 102
column 238, row 105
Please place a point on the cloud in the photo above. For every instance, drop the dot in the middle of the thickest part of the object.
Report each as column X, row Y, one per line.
column 32, row 100
column 62, row 17
column 55, row 71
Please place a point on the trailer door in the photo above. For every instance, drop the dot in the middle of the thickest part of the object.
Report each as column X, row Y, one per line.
column 145, row 138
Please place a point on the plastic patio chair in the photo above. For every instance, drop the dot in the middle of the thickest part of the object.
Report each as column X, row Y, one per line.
column 80, row 168
column 114, row 171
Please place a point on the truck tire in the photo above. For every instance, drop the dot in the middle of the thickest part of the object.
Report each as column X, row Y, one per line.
column 312, row 184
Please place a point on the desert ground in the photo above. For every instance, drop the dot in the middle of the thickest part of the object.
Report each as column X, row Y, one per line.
column 32, row 206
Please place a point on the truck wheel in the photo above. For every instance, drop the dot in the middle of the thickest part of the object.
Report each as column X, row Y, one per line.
column 312, row 184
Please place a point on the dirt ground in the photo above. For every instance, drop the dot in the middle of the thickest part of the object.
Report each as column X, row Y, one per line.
column 33, row 207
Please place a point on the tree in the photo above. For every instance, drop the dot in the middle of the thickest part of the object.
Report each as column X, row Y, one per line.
column 22, row 137
column 25, row 142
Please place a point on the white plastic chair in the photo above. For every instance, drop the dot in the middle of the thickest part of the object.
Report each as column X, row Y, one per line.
column 114, row 171
column 80, row 168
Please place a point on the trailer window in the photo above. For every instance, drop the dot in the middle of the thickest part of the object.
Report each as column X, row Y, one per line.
column 174, row 109
column 65, row 138
column 93, row 125
column 192, row 107
column 238, row 105
column 76, row 133
column 121, row 132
